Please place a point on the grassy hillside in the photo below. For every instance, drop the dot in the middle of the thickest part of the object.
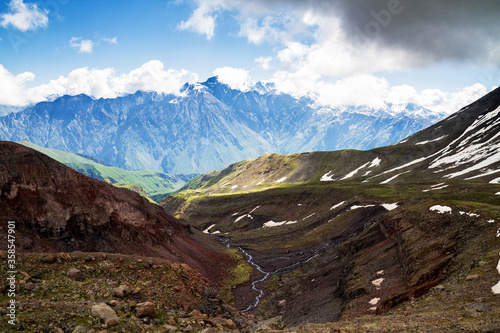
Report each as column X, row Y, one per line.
column 156, row 184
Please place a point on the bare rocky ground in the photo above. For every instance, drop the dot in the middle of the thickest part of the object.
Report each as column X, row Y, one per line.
column 99, row 292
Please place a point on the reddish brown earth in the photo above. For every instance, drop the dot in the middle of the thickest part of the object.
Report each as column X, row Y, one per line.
column 58, row 209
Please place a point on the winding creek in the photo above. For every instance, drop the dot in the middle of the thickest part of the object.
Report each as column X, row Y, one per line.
column 260, row 291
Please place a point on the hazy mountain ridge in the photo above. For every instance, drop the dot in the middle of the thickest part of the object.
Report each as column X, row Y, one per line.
column 207, row 127
column 155, row 184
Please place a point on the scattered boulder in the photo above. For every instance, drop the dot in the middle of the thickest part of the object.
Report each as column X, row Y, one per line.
column 105, row 313
column 472, row 277
column 76, row 274
column 48, row 258
column 29, row 286
column 117, row 292
column 146, row 309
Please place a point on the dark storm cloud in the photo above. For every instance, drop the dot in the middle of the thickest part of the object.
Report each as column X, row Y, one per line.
column 436, row 30
column 432, row 29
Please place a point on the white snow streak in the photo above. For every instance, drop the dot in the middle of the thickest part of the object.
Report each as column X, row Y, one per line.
column 271, row 224
column 206, row 231
column 343, row 202
column 352, row 173
column 281, row 180
column 393, row 177
column 428, row 141
column 357, row 207
column 441, row 209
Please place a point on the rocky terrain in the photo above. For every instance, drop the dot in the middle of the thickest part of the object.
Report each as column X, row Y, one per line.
column 334, row 236
column 394, row 239
column 58, row 209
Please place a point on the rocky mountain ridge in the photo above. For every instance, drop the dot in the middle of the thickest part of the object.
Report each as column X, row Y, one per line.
column 207, row 127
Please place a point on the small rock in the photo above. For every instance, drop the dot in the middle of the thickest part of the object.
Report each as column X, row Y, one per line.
column 79, row 329
column 89, row 258
column 48, row 258
column 172, row 321
column 210, row 330
column 231, row 324
column 189, row 328
column 125, row 288
column 106, row 313
column 472, row 277
column 282, row 303
column 482, row 263
column 146, row 309
column 117, row 292
column 170, row 328
column 76, row 274
column 136, row 291
column 196, row 314
column 29, row 286
column 37, row 276
column 438, row 289
column 91, row 295
column 114, row 303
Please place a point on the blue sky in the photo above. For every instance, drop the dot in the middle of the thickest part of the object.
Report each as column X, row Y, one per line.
column 439, row 54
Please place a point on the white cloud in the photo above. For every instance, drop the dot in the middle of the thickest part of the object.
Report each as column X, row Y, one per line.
column 24, row 17
column 98, row 83
column 12, row 89
column 202, row 20
column 152, row 76
column 235, row 78
column 81, row 45
column 264, row 62
column 112, row 41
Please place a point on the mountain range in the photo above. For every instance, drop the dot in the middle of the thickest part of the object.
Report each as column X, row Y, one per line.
column 207, row 127
column 397, row 231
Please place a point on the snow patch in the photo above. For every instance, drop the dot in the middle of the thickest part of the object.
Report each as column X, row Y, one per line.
column 390, row 207
column 253, row 210
column 469, row 214
column 428, row 141
column 305, row 218
column 375, row 163
column 491, row 221
column 436, row 187
column 281, row 180
column 234, row 186
column 393, row 177
column 352, row 173
column 495, row 181
column 441, row 209
column 207, row 230
column 374, row 301
column 378, row 282
column 496, row 287
column 357, row 207
column 242, row 217
column 271, row 224
column 326, row 177
column 340, row 204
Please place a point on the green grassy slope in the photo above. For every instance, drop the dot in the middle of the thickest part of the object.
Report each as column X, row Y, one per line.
column 156, row 184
